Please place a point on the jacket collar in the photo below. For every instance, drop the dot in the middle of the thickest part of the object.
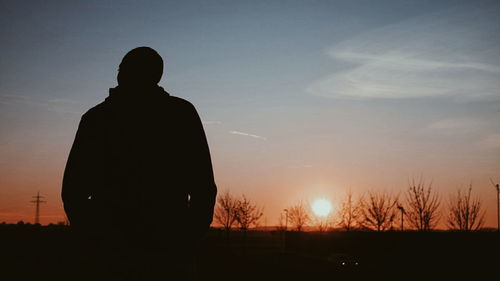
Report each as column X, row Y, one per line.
column 121, row 93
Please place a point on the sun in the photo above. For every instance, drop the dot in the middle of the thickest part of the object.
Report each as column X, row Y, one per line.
column 322, row 207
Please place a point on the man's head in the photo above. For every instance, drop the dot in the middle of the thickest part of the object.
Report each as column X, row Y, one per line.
column 141, row 67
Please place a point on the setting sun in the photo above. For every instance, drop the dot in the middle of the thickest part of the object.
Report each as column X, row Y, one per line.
column 321, row 207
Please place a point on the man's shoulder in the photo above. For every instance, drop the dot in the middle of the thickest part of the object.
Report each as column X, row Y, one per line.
column 180, row 102
column 177, row 103
column 95, row 111
column 183, row 106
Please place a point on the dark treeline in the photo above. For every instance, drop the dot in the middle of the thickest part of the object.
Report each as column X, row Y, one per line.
column 50, row 253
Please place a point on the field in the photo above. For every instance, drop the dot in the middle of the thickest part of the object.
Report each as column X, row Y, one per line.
column 49, row 253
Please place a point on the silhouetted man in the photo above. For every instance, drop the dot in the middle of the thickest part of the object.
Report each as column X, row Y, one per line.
column 139, row 175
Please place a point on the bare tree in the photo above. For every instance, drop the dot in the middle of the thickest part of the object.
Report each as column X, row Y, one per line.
column 226, row 210
column 298, row 215
column 323, row 223
column 378, row 212
column 349, row 212
column 465, row 212
column 422, row 205
column 247, row 213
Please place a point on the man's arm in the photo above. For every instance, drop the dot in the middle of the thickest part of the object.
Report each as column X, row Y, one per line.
column 76, row 187
column 202, row 189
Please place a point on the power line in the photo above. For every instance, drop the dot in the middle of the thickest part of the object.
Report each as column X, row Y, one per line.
column 37, row 203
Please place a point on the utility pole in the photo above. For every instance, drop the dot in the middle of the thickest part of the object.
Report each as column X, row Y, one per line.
column 402, row 216
column 37, row 202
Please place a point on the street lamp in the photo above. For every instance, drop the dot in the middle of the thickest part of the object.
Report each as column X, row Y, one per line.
column 402, row 216
column 286, row 228
column 498, row 206
column 286, row 219
column 498, row 203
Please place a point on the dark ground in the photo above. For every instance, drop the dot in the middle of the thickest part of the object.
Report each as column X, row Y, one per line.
column 50, row 253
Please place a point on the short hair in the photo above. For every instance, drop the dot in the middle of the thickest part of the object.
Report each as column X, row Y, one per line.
column 142, row 65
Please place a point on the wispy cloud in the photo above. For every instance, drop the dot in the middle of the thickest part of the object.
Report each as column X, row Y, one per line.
column 457, row 124
column 490, row 142
column 247, row 135
column 13, row 99
column 63, row 101
column 211, row 122
column 303, row 166
column 452, row 53
column 51, row 104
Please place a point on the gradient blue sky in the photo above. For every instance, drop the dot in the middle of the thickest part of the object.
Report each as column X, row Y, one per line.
column 300, row 99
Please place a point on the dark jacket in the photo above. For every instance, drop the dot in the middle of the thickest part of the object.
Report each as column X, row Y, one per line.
column 140, row 164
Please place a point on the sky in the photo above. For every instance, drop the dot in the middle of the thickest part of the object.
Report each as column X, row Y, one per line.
column 300, row 99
